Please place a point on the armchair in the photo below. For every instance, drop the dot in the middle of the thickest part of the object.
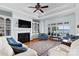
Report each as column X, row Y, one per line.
column 60, row 50
column 63, row 50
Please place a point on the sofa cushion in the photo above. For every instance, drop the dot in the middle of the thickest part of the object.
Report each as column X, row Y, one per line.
column 75, row 43
column 62, row 49
column 5, row 48
column 74, row 51
column 54, row 52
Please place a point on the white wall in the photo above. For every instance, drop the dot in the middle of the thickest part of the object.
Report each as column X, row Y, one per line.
column 15, row 29
column 14, row 23
column 77, row 18
column 68, row 16
column 74, row 22
column 41, row 26
column 58, row 17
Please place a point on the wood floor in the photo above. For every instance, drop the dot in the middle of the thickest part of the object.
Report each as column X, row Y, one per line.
column 42, row 46
column 33, row 41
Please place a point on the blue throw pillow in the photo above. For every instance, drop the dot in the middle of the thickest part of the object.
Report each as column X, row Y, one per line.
column 17, row 47
column 13, row 42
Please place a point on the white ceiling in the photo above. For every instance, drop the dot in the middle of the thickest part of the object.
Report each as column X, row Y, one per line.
column 23, row 7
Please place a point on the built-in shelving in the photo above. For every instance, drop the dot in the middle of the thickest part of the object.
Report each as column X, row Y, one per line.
column 8, row 27
column 5, row 27
column 1, row 26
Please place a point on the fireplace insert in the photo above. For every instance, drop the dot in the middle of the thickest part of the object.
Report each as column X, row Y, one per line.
column 24, row 37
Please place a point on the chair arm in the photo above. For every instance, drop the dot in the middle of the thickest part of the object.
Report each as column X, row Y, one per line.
column 65, row 47
column 53, row 52
column 62, row 47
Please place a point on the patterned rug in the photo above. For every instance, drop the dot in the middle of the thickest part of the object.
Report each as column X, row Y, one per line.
column 42, row 47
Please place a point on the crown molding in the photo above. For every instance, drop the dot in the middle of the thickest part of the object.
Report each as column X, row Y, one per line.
column 62, row 13
column 13, row 10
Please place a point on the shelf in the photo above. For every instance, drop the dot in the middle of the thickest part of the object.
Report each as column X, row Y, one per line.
column 1, row 26
column 8, row 27
column 5, row 28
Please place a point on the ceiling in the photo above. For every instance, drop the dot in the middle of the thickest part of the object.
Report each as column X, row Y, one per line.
column 23, row 7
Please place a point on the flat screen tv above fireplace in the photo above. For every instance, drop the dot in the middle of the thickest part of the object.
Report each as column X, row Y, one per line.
column 24, row 24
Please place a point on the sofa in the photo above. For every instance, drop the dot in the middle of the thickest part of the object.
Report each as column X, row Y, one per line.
column 63, row 50
column 43, row 36
column 6, row 50
column 72, row 37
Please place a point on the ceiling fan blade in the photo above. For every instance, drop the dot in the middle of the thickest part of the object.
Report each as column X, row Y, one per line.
column 31, row 7
column 44, row 7
column 42, row 11
column 34, row 11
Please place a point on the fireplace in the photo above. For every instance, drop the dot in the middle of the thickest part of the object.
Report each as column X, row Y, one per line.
column 24, row 37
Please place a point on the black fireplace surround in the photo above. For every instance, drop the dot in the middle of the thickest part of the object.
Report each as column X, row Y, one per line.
column 24, row 37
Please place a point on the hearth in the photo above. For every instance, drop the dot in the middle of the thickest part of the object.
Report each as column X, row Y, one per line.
column 24, row 37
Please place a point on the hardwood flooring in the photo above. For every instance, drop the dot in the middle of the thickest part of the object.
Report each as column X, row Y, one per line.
column 42, row 46
column 33, row 41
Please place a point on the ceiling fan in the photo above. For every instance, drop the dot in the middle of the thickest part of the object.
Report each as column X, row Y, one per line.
column 38, row 7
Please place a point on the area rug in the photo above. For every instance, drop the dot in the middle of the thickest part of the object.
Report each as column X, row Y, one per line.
column 42, row 47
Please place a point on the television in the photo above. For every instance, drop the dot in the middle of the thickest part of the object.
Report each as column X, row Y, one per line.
column 24, row 24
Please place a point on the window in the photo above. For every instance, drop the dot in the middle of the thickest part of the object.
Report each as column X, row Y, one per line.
column 61, row 28
column 35, row 28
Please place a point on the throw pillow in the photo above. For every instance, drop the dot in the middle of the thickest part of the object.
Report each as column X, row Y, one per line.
column 17, row 47
column 12, row 42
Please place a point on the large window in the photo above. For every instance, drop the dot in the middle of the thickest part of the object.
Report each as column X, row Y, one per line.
column 66, row 28
column 61, row 28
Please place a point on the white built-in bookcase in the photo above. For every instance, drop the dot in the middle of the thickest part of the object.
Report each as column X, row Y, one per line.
column 5, row 26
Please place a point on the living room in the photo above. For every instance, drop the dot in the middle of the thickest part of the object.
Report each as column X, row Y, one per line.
column 40, row 27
